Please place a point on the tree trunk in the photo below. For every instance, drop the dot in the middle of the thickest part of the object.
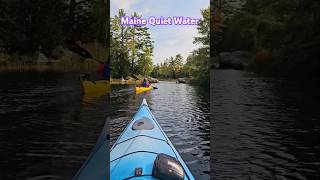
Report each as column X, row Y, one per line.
column 72, row 7
column 133, row 51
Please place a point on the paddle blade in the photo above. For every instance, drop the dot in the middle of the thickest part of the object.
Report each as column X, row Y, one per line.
column 72, row 46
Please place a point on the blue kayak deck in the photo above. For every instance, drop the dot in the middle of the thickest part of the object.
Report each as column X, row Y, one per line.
column 133, row 149
column 139, row 149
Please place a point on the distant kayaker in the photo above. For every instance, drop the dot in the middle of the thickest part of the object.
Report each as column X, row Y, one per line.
column 145, row 83
column 106, row 72
column 103, row 70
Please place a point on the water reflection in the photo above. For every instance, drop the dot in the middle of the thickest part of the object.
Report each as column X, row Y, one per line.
column 261, row 128
column 91, row 98
column 181, row 110
column 45, row 130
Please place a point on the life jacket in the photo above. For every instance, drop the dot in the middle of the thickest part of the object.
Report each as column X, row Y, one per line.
column 106, row 71
column 144, row 84
column 100, row 69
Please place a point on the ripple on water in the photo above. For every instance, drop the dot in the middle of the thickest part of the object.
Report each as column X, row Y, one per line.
column 182, row 114
column 258, row 132
column 46, row 131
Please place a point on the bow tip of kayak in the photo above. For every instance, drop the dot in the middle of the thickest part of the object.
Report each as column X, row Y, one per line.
column 144, row 102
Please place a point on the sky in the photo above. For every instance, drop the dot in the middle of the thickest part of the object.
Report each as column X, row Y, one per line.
column 169, row 39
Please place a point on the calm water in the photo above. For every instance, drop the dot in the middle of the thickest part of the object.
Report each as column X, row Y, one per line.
column 264, row 128
column 46, row 130
column 182, row 111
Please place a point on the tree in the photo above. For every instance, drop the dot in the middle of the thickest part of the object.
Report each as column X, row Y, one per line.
column 119, row 46
column 132, row 48
column 203, row 29
column 175, row 64
column 286, row 32
column 28, row 25
column 197, row 66
column 199, row 61
column 171, row 68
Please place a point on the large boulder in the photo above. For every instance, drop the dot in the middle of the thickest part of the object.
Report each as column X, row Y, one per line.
column 235, row 59
column 61, row 52
column 42, row 59
column 181, row 80
column 153, row 80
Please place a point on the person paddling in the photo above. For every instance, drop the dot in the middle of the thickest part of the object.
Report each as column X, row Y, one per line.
column 145, row 83
column 103, row 70
column 100, row 69
column 106, row 72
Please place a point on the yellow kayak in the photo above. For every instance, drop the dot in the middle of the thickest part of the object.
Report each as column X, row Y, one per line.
column 96, row 87
column 143, row 89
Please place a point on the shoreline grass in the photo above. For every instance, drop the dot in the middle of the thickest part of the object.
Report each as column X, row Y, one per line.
column 14, row 63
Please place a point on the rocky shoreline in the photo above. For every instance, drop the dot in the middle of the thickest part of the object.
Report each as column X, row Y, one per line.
column 240, row 60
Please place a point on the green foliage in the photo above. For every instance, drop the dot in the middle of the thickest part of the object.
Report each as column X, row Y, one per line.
column 287, row 30
column 29, row 26
column 118, row 44
column 196, row 66
column 198, row 63
column 171, row 68
column 131, row 48
column 203, row 29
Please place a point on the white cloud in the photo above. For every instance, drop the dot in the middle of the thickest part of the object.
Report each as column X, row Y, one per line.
column 123, row 4
column 169, row 40
column 176, row 40
column 145, row 11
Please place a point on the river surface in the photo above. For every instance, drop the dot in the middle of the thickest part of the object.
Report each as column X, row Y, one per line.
column 264, row 128
column 47, row 128
column 181, row 110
